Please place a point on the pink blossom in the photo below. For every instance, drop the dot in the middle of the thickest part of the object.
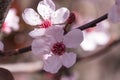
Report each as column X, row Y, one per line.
column 114, row 13
column 53, row 48
column 1, row 46
column 95, row 36
column 11, row 22
column 46, row 18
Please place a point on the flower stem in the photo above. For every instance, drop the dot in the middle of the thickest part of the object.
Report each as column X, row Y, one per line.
column 15, row 52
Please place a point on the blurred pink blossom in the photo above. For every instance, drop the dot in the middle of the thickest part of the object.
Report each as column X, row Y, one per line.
column 11, row 22
column 53, row 48
column 114, row 13
column 95, row 36
column 48, row 17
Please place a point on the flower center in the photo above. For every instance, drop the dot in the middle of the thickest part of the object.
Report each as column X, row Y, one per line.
column 58, row 48
column 46, row 24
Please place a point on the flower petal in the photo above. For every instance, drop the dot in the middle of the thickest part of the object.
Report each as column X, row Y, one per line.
column 103, row 26
column 31, row 17
column 88, row 43
column 56, row 32
column 73, row 38
column 101, row 38
column 1, row 46
column 44, row 10
column 37, row 32
column 68, row 59
column 40, row 46
column 49, row 3
column 12, row 17
column 52, row 64
column 114, row 14
column 60, row 16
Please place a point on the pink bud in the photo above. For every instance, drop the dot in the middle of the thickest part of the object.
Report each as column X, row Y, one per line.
column 71, row 18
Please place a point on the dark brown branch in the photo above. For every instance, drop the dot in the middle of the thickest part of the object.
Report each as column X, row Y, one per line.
column 4, row 7
column 15, row 52
column 94, row 22
column 23, row 50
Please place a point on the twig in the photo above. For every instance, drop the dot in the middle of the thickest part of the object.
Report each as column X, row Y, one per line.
column 93, row 23
column 15, row 52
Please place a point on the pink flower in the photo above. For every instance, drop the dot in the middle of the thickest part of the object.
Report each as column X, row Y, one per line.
column 114, row 13
column 1, row 46
column 48, row 17
column 95, row 36
column 53, row 48
column 11, row 22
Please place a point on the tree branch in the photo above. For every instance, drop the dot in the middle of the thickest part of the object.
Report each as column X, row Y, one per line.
column 15, row 52
column 93, row 23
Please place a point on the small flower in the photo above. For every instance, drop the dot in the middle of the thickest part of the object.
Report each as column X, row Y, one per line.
column 46, row 18
column 95, row 36
column 11, row 22
column 53, row 48
column 114, row 13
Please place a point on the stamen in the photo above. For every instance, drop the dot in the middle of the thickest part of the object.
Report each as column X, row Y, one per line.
column 58, row 48
column 46, row 24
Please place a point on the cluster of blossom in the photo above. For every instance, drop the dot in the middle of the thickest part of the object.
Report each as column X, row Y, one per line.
column 50, row 43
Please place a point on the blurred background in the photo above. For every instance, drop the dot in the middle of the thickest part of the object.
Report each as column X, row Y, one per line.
column 101, row 67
